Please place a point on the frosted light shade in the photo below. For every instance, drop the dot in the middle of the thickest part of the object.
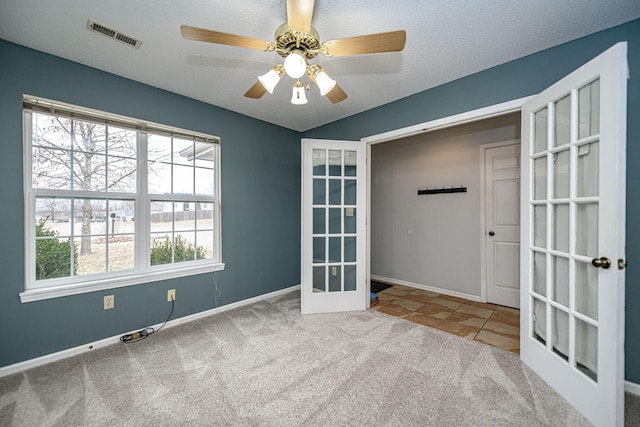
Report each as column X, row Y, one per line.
column 325, row 83
column 298, row 97
column 295, row 65
column 269, row 80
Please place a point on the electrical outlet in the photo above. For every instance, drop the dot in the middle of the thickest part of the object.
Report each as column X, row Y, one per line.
column 171, row 295
column 109, row 302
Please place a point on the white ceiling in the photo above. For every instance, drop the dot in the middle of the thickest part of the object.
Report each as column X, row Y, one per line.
column 446, row 40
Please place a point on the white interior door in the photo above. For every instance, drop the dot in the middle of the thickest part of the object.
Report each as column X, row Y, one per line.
column 502, row 239
column 573, row 234
column 333, row 226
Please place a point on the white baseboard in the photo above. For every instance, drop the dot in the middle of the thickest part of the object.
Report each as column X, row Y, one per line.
column 427, row 288
column 632, row 388
column 48, row 358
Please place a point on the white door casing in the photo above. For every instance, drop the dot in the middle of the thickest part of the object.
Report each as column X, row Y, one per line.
column 573, row 221
column 502, row 224
column 333, row 226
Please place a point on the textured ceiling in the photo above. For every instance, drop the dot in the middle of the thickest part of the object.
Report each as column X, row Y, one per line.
column 446, row 40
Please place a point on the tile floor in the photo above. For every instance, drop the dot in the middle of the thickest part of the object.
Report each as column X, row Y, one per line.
column 486, row 323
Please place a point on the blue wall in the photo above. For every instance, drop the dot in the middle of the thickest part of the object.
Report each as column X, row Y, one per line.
column 260, row 208
column 523, row 77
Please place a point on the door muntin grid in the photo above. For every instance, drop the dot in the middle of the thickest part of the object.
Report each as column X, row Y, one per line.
column 564, row 206
column 334, row 266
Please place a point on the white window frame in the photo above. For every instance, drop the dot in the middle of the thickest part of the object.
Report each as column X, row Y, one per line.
column 142, row 272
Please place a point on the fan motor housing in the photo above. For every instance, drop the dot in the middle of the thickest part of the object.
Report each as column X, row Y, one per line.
column 306, row 44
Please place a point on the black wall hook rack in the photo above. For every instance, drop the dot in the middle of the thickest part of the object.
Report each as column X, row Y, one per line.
column 443, row 190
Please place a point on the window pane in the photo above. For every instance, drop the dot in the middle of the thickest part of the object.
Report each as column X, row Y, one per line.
column 92, row 254
column 539, row 320
column 161, row 216
column 121, row 175
column 540, row 129
column 562, row 121
column 205, row 248
column 51, row 168
column 182, row 179
column 335, row 218
column 184, row 248
column 587, row 229
column 561, row 228
column 335, row 193
column 561, row 175
column 319, row 221
column 159, row 148
column 587, row 349
column 122, row 142
column 540, row 226
column 89, row 137
column 350, row 191
column 540, row 178
column 205, row 180
column 588, row 169
column 319, row 249
column 54, row 211
column 319, row 279
column 540, row 273
column 561, row 280
column 183, row 152
column 89, row 172
column 335, row 249
column 587, row 289
column 335, row 278
column 319, row 162
column 349, row 277
column 349, row 220
column 51, row 131
column 335, row 162
column 53, row 255
column 319, row 191
column 560, row 332
column 205, row 217
column 159, row 176
column 350, row 160
column 589, row 110
column 161, row 248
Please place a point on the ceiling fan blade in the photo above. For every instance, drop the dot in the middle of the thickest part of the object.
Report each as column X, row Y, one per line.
column 256, row 91
column 337, row 94
column 210, row 36
column 392, row 41
column 299, row 15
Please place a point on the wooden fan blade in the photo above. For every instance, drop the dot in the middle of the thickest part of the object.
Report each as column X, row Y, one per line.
column 256, row 91
column 336, row 94
column 392, row 41
column 299, row 15
column 210, row 36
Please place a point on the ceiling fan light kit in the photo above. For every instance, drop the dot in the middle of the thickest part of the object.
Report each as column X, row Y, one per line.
column 271, row 78
column 298, row 97
column 295, row 65
column 298, row 42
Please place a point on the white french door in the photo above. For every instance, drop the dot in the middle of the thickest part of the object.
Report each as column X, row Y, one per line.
column 573, row 236
column 333, row 226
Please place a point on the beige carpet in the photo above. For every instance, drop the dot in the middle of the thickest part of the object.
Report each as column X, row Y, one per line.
column 265, row 364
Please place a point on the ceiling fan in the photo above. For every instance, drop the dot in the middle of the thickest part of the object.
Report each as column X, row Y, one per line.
column 297, row 41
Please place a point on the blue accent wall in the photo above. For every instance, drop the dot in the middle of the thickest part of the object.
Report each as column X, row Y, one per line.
column 523, row 77
column 260, row 208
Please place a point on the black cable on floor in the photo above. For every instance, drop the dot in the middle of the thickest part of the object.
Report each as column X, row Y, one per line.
column 144, row 333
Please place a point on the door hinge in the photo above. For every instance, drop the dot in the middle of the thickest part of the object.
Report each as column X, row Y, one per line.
column 622, row 264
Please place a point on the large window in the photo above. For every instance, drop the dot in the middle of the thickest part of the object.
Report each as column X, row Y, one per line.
column 112, row 201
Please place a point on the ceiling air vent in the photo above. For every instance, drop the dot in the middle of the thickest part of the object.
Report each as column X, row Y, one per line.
column 112, row 33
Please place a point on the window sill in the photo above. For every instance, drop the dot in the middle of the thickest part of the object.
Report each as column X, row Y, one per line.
column 116, row 282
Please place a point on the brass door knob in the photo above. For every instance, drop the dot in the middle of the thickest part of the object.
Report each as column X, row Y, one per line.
column 602, row 262
column 491, row 233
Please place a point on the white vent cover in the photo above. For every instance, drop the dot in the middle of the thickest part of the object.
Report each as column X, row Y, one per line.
column 113, row 33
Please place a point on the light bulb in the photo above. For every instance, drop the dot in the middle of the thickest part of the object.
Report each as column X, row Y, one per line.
column 295, row 65
column 298, row 97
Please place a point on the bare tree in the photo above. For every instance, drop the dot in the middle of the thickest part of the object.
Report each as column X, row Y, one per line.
column 78, row 155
